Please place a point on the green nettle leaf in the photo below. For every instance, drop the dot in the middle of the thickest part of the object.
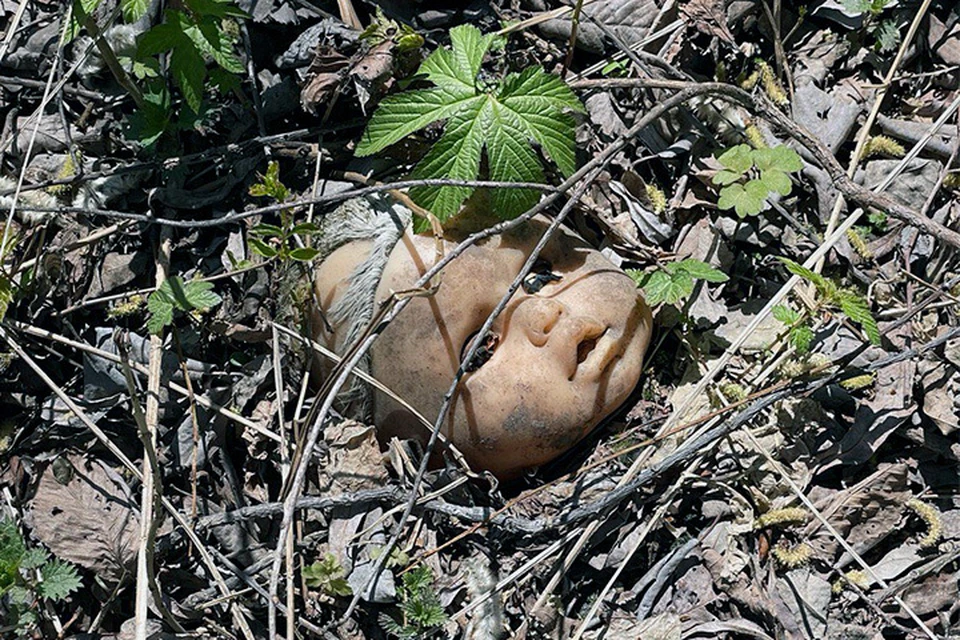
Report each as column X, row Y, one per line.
column 785, row 314
column 33, row 559
column 798, row 269
column 855, row 307
column 697, row 269
column 59, row 580
column 737, row 159
column 800, row 337
column 531, row 106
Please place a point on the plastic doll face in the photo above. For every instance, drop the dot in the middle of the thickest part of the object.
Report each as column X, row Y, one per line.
column 565, row 353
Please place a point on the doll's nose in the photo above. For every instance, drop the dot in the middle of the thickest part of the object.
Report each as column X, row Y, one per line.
column 538, row 317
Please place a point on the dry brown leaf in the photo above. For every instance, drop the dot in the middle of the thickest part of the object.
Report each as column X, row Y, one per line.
column 89, row 520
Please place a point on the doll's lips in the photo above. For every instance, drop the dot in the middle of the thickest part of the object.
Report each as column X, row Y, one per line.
column 595, row 354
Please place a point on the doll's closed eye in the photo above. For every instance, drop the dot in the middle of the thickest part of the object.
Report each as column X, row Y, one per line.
column 483, row 354
column 540, row 275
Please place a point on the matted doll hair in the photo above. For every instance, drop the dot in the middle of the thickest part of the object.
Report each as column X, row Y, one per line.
column 382, row 220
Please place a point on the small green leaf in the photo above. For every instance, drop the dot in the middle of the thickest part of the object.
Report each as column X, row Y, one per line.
column 264, row 230
column 33, row 559
column 697, row 269
column 780, row 157
column 800, row 337
column 725, row 177
column 159, row 39
column 668, row 288
column 799, row 270
column 737, row 159
column 776, row 180
column 160, row 308
column 6, row 295
column 189, row 71
column 261, row 248
column 59, row 579
column 304, row 254
column 133, row 10
column 746, row 199
column 855, row 307
column 200, row 295
column 785, row 314
column 305, row 229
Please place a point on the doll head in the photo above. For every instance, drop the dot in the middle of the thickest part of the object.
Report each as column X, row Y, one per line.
column 566, row 352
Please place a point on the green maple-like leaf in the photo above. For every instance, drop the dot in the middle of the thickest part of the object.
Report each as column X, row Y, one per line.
column 737, row 159
column 776, row 180
column 531, row 106
column 781, row 157
column 747, row 199
column 175, row 294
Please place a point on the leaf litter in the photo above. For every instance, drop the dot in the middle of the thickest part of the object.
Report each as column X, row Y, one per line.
column 830, row 513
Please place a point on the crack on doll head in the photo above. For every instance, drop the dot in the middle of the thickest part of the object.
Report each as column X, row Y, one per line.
column 566, row 351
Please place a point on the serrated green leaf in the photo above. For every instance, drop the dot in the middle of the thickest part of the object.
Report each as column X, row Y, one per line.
column 189, row 71
column 776, row 180
column 210, row 39
column 538, row 100
column 469, row 47
column 798, row 269
column 133, row 10
column 400, row 115
column 533, row 90
column 59, row 579
column 785, row 314
column 801, row 336
column 697, row 269
column 855, row 307
column 456, row 155
column 780, row 157
column 304, row 254
column 510, row 157
column 737, row 159
column 200, row 295
column 33, row 559
column 669, row 288
column 216, row 8
column 162, row 37
column 161, row 312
